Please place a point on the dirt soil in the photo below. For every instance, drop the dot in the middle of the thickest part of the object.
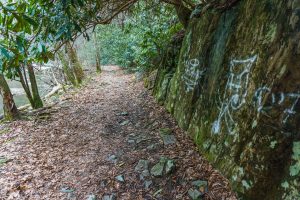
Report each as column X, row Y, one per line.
column 107, row 140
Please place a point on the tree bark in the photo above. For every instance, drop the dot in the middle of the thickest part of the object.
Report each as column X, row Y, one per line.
column 25, row 86
column 78, row 71
column 66, row 69
column 10, row 109
column 37, row 101
column 183, row 14
column 98, row 57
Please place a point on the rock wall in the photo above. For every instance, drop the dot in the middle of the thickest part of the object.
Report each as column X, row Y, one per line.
column 236, row 90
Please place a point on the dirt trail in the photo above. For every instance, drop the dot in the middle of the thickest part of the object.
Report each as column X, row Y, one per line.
column 109, row 140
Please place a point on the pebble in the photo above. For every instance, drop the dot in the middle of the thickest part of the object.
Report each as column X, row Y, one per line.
column 194, row 194
column 120, row 178
column 142, row 165
column 109, row 197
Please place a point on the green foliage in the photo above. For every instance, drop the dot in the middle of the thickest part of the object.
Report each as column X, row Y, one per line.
column 22, row 41
column 33, row 30
column 115, row 45
column 137, row 42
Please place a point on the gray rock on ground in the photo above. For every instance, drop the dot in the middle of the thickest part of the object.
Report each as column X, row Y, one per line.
column 201, row 185
column 148, row 184
column 120, row 178
column 92, row 197
column 170, row 166
column 169, row 139
column 109, row 197
column 164, row 164
column 194, row 194
column 157, row 170
column 142, row 165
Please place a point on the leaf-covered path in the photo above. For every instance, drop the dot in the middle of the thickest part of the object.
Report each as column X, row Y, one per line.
column 109, row 140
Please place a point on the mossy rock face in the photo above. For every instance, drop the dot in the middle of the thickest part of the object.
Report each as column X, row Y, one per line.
column 236, row 89
column 149, row 80
column 166, row 71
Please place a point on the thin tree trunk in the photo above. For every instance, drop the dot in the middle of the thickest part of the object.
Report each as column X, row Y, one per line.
column 183, row 14
column 98, row 57
column 10, row 109
column 25, row 85
column 67, row 70
column 78, row 71
column 98, row 62
column 54, row 77
column 25, row 77
column 37, row 101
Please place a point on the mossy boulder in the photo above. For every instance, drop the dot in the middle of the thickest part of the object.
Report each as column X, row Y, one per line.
column 236, row 90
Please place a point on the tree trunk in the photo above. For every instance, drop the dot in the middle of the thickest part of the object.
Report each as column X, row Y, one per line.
column 78, row 71
column 25, row 85
column 98, row 65
column 37, row 101
column 183, row 14
column 66, row 68
column 98, row 58
column 10, row 109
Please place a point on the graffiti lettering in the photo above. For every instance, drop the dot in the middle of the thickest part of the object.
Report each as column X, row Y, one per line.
column 192, row 74
column 277, row 99
column 235, row 94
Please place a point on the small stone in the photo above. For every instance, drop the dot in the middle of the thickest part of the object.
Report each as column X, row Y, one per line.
column 198, row 183
column 142, row 177
column 131, row 141
column 170, row 166
column 155, row 124
column 92, row 197
column 148, row 184
column 112, row 158
column 142, row 165
column 131, row 135
column 157, row 170
column 169, row 139
column 139, row 75
column 145, row 173
column 124, row 113
column 194, row 194
column 67, row 190
column 120, row 178
column 109, row 197
column 124, row 123
column 202, row 185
